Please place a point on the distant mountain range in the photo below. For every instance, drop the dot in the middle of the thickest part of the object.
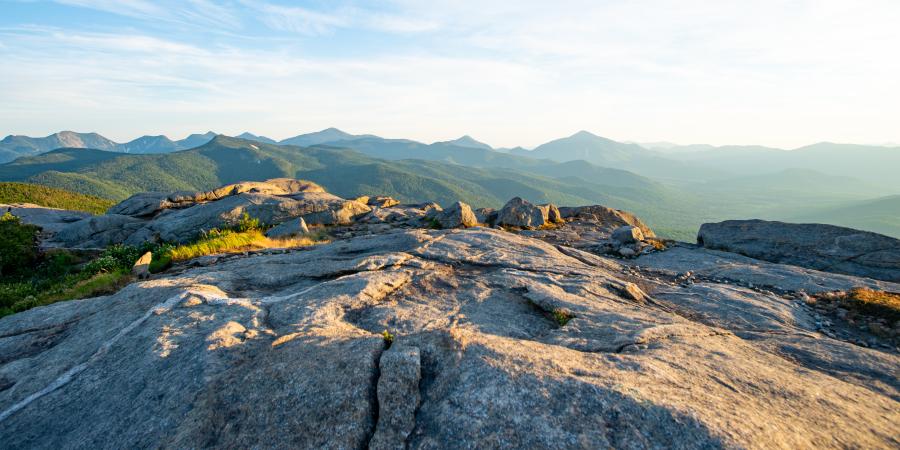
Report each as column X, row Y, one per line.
column 674, row 189
column 662, row 161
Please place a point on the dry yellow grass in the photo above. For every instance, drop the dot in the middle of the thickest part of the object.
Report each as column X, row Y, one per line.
column 239, row 241
column 873, row 303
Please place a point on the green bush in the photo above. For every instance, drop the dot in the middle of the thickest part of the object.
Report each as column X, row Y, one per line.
column 18, row 244
column 247, row 223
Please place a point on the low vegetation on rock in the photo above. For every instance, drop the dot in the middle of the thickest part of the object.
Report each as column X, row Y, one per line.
column 58, row 275
column 30, row 277
column 52, row 198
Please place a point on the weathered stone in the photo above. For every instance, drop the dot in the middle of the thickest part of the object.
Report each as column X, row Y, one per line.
column 341, row 214
column 51, row 220
column 398, row 397
column 183, row 216
column 141, row 268
column 714, row 264
column 98, row 231
column 289, row 228
column 486, row 216
column 627, row 235
column 553, row 214
column 522, row 214
column 285, row 351
column 606, row 218
column 382, row 201
column 148, row 204
column 821, row 247
column 457, row 215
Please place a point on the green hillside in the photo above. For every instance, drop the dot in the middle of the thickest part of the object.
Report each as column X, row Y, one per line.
column 51, row 197
column 350, row 173
column 881, row 215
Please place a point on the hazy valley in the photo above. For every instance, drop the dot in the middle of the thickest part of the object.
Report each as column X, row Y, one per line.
column 674, row 190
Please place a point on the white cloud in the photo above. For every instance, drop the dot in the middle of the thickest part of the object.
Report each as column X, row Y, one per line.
column 184, row 12
column 518, row 73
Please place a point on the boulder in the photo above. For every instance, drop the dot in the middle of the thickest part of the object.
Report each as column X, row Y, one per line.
column 816, row 246
column 522, row 214
column 486, row 215
column 382, row 201
column 605, row 218
column 342, row 213
column 289, row 228
column 553, row 214
column 627, row 235
column 141, row 268
column 458, row 215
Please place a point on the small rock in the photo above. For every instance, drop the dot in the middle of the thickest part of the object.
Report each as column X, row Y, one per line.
column 289, row 228
column 627, row 235
column 141, row 268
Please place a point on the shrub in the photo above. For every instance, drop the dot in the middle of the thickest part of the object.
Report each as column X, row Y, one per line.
column 247, row 223
column 388, row 337
column 561, row 316
column 18, row 244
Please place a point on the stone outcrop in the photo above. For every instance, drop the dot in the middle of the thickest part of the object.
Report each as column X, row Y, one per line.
column 382, row 201
column 815, row 246
column 520, row 213
column 500, row 341
column 458, row 215
column 605, row 218
column 51, row 220
column 627, row 235
column 99, row 231
column 487, row 216
column 180, row 217
column 148, row 204
column 289, row 228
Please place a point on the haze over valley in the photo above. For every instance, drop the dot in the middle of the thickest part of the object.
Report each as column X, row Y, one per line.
column 675, row 191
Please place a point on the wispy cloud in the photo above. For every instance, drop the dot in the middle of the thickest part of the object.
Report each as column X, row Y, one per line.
column 185, row 12
column 511, row 73
column 298, row 20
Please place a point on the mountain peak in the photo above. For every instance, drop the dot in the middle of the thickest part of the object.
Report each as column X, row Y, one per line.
column 327, row 135
column 468, row 142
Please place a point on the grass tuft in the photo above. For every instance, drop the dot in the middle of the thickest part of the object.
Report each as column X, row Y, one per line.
column 874, row 303
column 561, row 316
column 388, row 337
column 229, row 241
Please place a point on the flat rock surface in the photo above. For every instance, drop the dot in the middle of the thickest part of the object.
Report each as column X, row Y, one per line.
column 51, row 220
column 286, row 351
column 816, row 246
column 733, row 267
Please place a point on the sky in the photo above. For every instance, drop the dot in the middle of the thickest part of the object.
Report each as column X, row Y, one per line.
column 781, row 73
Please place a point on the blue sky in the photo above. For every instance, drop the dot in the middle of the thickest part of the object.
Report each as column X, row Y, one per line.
column 784, row 73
